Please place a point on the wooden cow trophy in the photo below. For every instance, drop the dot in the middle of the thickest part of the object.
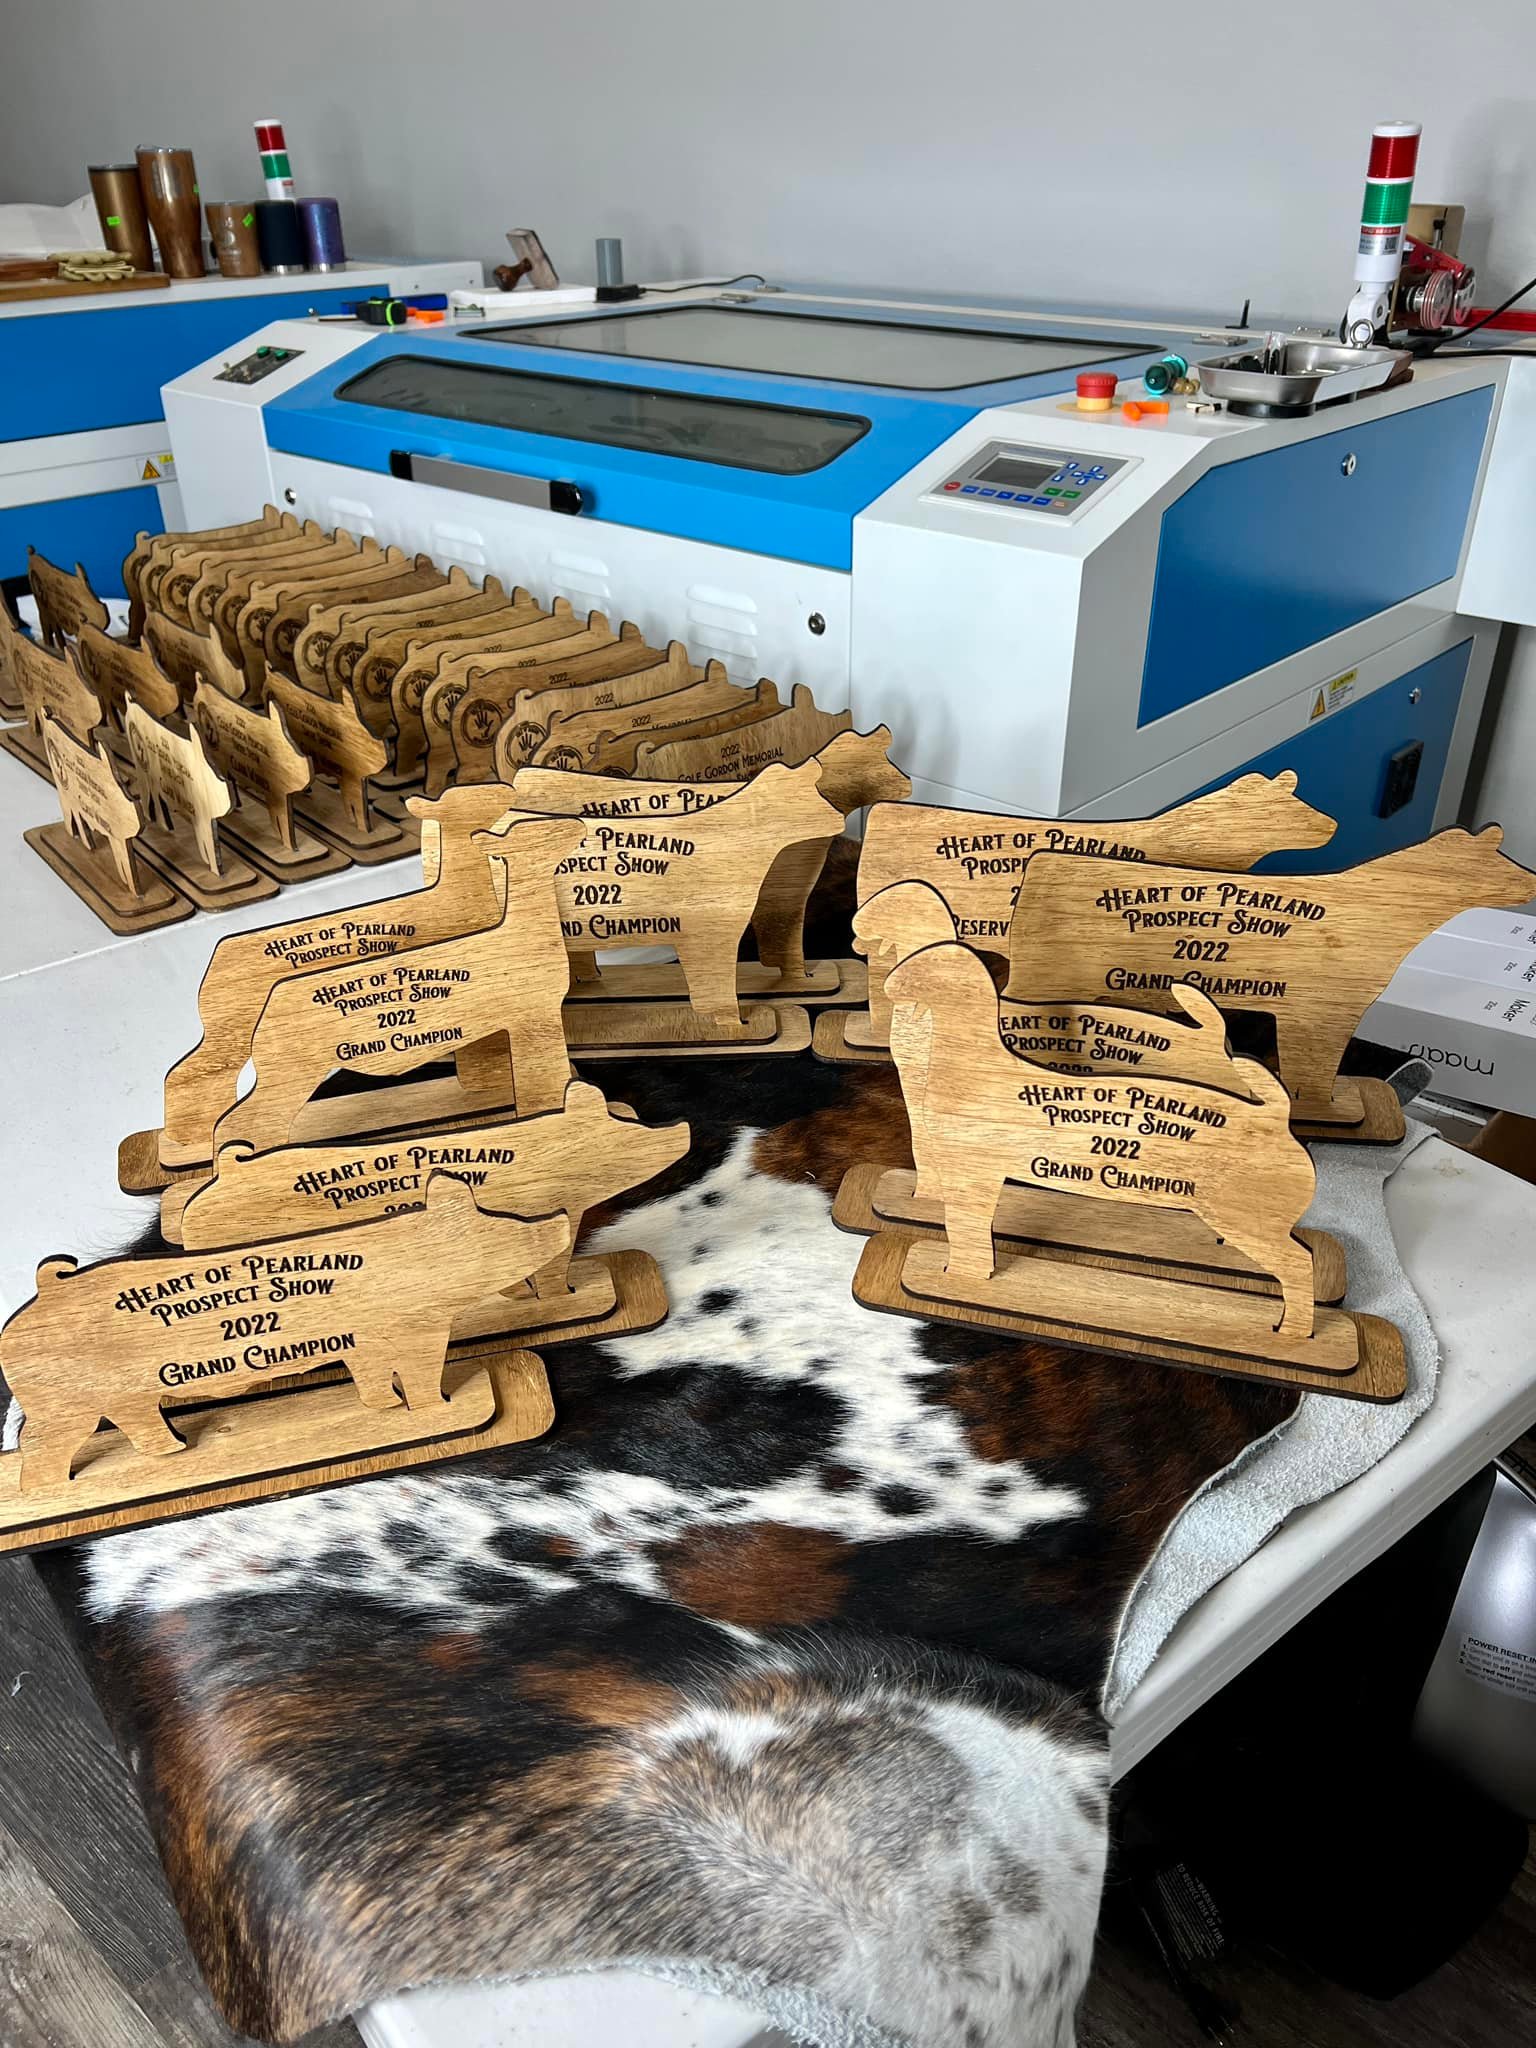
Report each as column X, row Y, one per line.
column 65, row 602
column 91, row 850
column 1311, row 951
column 983, row 1117
column 462, row 893
column 976, row 861
column 182, row 798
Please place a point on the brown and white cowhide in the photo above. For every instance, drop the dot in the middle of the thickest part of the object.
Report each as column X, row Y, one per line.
column 780, row 1654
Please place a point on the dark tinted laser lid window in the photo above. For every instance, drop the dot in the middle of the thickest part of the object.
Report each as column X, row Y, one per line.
column 729, row 431
column 888, row 353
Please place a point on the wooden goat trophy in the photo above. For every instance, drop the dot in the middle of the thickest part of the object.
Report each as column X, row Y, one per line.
column 181, row 799
column 330, row 732
column 463, row 893
column 92, row 848
column 265, row 771
column 120, row 673
column 983, row 1117
column 65, row 602
column 170, row 1350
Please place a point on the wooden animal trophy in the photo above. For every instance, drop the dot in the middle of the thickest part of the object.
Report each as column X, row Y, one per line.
column 1089, row 1041
column 1311, row 951
column 604, row 743
column 281, row 601
column 791, row 736
column 181, row 799
column 168, row 1351
column 119, row 674
column 564, row 1161
column 50, row 687
column 983, row 1117
column 976, row 861
column 12, row 706
column 690, row 882
column 182, row 655
column 432, row 632
column 463, row 893
column 856, row 769
column 615, row 753
column 224, row 584
column 386, row 1017
column 168, row 589
column 356, row 625
column 65, row 602
column 340, row 746
column 425, row 662
column 92, row 848
column 479, row 715
column 265, row 771
column 381, row 577
column 151, row 555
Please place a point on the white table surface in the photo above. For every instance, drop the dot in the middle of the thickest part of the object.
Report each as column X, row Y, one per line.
column 88, row 1025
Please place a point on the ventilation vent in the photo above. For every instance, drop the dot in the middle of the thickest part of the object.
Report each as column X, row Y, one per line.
column 723, row 624
column 581, row 578
column 460, row 545
column 354, row 515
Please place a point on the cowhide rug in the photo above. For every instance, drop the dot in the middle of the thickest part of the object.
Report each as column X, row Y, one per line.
column 781, row 1653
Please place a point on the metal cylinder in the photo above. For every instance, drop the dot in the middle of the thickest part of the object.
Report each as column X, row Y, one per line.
column 168, row 180
column 120, row 208
column 610, row 260
column 232, row 224
column 322, row 234
column 280, row 234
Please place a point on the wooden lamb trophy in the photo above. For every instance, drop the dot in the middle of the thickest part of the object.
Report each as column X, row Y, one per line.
column 983, row 1116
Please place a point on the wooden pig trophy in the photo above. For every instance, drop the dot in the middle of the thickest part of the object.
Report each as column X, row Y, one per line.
column 1311, row 951
column 427, row 660
column 170, row 1350
column 464, row 893
column 983, row 1117
column 977, row 860
column 564, row 1161
column 51, row 688
column 93, row 848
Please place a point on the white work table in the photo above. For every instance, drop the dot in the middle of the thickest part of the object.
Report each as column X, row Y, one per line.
column 89, row 1024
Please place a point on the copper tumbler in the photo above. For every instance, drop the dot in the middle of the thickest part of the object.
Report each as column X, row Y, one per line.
column 169, row 184
column 232, row 224
column 120, row 208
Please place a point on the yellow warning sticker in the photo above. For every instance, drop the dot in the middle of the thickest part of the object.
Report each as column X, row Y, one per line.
column 1333, row 696
column 1319, row 709
column 148, row 474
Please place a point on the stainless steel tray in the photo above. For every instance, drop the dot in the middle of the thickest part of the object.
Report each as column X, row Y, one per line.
column 1310, row 373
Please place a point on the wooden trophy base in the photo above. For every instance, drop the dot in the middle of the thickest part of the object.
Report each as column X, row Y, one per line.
column 1173, row 1244
column 251, row 833
column 11, row 708
column 832, row 1043
column 321, row 808
column 284, row 1442
column 1364, row 1112
column 1357, row 1356
column 674, row 1030
column 436, row 1105
column 611, row 1296
column 175, row 858
column 27, row 747
column 95, row 882
column 824, row 981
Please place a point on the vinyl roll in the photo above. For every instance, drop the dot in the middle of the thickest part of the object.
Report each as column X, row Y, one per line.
column 280, row 236
column 120, row 208
column 232, row 225
column 168, row 180
column 322, row 234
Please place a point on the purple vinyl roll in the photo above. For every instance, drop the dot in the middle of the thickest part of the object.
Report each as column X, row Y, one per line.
column 322, row 233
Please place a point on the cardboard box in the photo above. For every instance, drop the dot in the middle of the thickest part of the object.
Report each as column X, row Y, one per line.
column 1468, row 1008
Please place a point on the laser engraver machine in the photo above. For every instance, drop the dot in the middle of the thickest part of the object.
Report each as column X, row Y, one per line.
column 1058, row 612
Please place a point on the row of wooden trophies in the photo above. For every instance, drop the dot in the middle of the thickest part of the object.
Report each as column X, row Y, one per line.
column 394, row 1201
column 283, row 690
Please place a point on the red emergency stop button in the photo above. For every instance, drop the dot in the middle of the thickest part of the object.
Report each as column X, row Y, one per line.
column 1095, row 390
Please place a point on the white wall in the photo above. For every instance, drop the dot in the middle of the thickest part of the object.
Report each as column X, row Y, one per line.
column 1062, row 152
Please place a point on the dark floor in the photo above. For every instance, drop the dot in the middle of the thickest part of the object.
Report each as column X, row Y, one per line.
column 92, row 1954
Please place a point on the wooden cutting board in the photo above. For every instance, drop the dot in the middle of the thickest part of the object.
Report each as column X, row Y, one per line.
column 68, row 288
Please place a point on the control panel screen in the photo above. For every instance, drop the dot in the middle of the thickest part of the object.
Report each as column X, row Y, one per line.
column 252, row 368
column 739, row 433
column 1008, row 469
